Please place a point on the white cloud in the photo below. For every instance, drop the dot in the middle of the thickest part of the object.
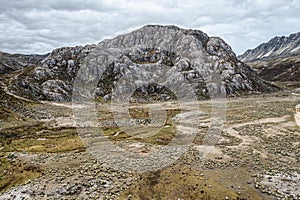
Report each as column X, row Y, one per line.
column 29, row 26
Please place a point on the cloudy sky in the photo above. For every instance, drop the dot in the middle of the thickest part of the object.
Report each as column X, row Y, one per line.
column 38, row 26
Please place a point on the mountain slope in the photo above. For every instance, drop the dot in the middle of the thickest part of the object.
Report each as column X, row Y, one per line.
column 281, row 69
column 13, row 62
column 275, row 48
column 277, row 60
column 178, row 54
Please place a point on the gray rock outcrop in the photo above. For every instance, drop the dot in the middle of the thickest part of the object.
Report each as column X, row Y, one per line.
column 152, row 51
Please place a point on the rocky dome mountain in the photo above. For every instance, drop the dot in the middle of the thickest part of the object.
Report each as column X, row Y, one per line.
column 189, row 55
column 276, row 60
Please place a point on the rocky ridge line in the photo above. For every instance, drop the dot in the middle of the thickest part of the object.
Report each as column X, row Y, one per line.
column 143, row 51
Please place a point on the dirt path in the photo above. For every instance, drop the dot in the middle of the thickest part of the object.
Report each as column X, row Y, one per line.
column 263, row 99
column 248, row 140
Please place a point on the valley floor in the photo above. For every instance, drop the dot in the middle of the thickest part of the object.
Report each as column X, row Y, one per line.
column 257, row 155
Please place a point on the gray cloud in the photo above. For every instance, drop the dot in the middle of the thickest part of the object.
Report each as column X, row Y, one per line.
column 31, row 26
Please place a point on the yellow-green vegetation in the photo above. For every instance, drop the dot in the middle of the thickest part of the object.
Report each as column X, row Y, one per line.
column 238, row 112
column 289, row 84
column 137, row 113
column 48, row 140
column 14, row 173
column 50, row 145
column 161, row 136
column 183, row 182
column 7, row 115
column 155, row 135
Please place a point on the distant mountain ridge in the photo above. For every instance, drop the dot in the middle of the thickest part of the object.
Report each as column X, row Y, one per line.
column 276, row 60
column 12, row 62
column 276, row 47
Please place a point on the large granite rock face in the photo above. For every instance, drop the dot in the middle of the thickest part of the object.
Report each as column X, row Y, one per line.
column 13, row 62
column 276, row 60
column 151, row 51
